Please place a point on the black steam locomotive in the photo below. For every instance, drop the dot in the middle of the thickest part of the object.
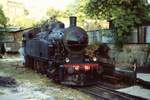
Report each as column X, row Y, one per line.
column 60, row 54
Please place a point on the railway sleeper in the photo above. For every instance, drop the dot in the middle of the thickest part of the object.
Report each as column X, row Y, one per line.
column 111, row 79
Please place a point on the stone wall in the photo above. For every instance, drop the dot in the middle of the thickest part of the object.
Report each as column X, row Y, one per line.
column 129, row 52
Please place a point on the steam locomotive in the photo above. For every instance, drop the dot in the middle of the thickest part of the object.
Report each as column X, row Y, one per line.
column 60, row 54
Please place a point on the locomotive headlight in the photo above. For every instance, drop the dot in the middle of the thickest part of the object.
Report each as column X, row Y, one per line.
column 94, row 59
column 67, row 60
column 87, row 67
column 76, row 67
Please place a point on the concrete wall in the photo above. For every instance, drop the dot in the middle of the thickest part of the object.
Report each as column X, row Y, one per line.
column 128, row 53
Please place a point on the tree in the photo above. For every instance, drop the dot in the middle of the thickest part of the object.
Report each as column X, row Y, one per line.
column 57, row 14
column 80, row 12
column 124, row 14
column 51, row 12
column 22, row 19
column 77, row 9
column 3, row 18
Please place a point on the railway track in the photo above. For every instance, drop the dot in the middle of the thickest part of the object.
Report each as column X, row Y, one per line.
column 102, row 92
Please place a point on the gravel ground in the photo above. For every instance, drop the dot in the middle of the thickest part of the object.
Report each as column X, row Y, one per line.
column 33, row 86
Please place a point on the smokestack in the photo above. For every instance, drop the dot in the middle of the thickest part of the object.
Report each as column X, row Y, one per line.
column 73, row 21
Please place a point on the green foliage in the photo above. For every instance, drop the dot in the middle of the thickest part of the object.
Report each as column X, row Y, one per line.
column 124, row 14
column 74, row 9
column 90, row 50
column 23, row 21
column 80, row 12
column 3, row 18
column 55, row 13
column 51, row 12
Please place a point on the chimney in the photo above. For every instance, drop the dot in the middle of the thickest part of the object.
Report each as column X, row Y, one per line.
column 73, row 21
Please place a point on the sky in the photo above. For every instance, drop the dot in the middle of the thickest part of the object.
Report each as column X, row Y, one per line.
column 38, row 8
column 59, row 4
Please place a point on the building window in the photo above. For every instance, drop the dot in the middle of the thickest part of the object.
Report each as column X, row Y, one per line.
column 148, row 34
column 144, row 34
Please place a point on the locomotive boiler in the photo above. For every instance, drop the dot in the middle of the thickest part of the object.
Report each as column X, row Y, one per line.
column 60, row 54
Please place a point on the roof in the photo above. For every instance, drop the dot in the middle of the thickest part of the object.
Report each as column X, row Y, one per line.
column 12, row 29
